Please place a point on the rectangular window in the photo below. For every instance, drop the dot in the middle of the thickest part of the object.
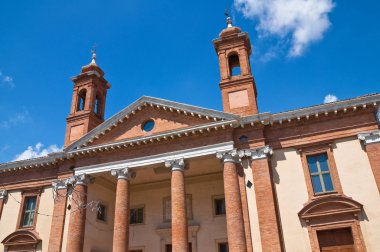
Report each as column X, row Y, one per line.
column 223, row 247
column 320, row 173
column 219, row 206
column 102, row 213
column 137, row 215
column 29, row 211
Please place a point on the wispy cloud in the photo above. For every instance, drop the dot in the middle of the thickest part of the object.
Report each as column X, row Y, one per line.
column 330, row 98
column 37, row 151
column 298, row 23
column 16, row 119
column 6, row 81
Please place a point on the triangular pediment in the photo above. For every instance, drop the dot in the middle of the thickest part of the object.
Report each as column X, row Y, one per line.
column 167, row 116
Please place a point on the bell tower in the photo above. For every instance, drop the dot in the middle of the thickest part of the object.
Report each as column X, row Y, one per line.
column 237, row 84
column 88, row 102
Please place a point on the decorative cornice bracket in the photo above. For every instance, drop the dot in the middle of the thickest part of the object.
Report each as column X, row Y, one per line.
column 370, row 137
column 175, row 165
column 124, row 173
column 255, row 154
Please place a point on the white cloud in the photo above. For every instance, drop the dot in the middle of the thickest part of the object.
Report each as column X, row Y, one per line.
column 37, row 151
column 16, row 119
column 298, row 22
column 330, row 98
column 6, row 81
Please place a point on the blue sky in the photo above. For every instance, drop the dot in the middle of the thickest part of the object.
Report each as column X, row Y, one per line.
column 302, row 51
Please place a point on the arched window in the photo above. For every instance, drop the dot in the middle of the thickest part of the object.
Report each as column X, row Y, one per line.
column 97, row 105
column 234, row 65
column 81, row 100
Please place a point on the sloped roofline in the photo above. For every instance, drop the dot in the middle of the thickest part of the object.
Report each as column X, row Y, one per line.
column 232, row 120
column 151, row 101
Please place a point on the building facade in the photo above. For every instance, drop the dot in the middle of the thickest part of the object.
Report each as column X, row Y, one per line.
column 164, row 176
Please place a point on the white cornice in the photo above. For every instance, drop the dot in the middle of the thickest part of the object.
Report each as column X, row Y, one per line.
column 255, row 154
column 142, row 162
column 370, row 137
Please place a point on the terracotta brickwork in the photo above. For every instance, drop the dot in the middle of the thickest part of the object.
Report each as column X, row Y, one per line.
column 58, row 221
column 179, row 214
column 234, row 211
column 1, row 206
column 373, row 151
column 121, row 224
column 266, row 205
column 77, row 222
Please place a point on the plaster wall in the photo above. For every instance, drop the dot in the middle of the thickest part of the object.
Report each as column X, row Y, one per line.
column 11, row 212
column 291, row 191
column 9, row 216
column 358, row 182
column 252, row 208
column 99, row 234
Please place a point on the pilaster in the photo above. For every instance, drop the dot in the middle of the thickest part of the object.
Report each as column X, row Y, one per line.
column 265, row 197
column 371, row 142
column 3, row 197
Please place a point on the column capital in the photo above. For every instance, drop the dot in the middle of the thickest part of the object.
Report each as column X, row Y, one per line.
column 229, row 156
column 124, row 173
column 254, row 154
column 370, row 137
column 82, row 179
column 59, row 184
column 176, row 164
column 3, row 194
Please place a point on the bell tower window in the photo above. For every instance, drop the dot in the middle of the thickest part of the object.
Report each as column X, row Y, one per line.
column 81, row 100
column 234, row 65
column 97, row 105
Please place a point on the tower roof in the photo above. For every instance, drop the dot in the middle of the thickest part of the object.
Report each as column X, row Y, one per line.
column 92, row 66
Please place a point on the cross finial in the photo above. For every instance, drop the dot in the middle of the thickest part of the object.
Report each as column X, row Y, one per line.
column 93, row 57
column 229, row 20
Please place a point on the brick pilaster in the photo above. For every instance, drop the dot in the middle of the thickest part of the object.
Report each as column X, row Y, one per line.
column 234, row 210
column 3, row 196
column 122, row 208
column 58, row 219
column 75, row 239
column 371, row 141
column 266, row 205
column 180, row 241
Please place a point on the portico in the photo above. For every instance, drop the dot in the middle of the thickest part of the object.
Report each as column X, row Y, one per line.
column 183, row 177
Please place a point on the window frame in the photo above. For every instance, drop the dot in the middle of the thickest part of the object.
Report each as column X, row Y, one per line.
column 314, row 151
column 220, row 241
column 26, row 194
column 105, row 213
column 214, row 198
column 137, row 207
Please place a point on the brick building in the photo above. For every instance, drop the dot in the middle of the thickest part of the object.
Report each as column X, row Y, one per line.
column 165, row 176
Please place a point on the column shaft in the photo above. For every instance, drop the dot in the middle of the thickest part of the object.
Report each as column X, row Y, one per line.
column 234, row 211
column 121, row 223
column 58, row 221
column 179, row 214
column 266, row 205
column 1, row 206
column 77, row 224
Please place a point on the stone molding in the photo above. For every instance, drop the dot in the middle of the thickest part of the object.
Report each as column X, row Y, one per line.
column 370, row 137
column 124, row 173
column 176, row 164
column 81, row 179
column 255, row 154
column 3, row 194
column 229, row 156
